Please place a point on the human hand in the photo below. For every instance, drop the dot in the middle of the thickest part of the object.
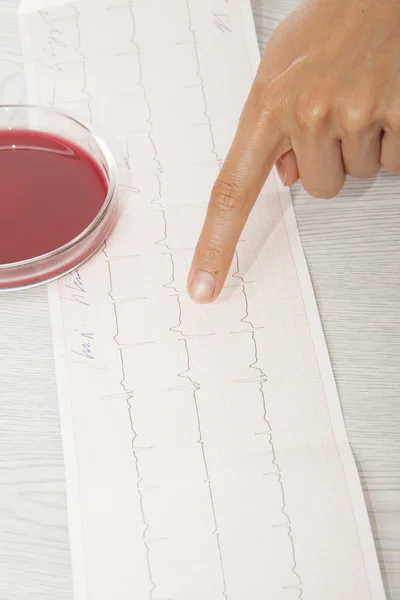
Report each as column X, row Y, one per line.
column 325, row 103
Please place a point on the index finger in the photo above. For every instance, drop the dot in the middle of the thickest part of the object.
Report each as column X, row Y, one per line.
column 256, row 147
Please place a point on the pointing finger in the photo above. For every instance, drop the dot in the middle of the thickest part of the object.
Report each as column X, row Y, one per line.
column 257, row 145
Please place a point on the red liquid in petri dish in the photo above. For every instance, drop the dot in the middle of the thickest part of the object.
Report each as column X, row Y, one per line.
column 50, row 192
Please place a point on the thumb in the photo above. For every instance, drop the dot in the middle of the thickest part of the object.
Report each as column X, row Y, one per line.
column 287, row 168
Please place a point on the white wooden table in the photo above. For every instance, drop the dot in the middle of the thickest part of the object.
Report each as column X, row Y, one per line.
column 352, row 245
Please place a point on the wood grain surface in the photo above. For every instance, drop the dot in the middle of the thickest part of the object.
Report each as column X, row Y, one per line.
column 352, row 245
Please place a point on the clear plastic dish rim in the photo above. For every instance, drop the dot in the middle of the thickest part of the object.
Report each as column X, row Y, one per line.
column 111, row 173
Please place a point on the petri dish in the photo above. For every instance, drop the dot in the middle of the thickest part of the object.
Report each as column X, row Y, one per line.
column 58, row 195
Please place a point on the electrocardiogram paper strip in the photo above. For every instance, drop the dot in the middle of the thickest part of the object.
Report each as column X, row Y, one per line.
column 205, row 450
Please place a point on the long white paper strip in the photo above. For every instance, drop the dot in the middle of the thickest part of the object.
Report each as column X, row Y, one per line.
column 205, row 449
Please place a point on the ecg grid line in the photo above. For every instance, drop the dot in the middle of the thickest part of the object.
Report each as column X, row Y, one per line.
column 260, row 375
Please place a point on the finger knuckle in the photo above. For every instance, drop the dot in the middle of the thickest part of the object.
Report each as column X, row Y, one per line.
column 312, row 116
column 357, row 119
column 227, row 196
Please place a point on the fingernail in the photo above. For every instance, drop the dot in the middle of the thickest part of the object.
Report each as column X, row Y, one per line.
column 202, row 287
